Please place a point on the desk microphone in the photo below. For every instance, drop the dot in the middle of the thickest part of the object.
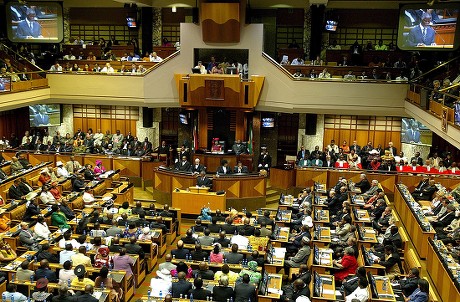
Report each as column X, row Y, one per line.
column 440, row 36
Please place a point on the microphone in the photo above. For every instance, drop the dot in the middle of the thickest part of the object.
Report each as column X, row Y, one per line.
column 439, row 35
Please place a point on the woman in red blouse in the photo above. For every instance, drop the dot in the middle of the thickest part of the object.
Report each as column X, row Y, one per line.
column 347, row 265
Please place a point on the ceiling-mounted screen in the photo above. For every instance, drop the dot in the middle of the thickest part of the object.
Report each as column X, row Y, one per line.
column 34, row 22
column 424, row 27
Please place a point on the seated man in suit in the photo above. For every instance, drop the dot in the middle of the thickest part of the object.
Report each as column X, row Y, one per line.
column 203, row 180
column 197, row 167
column 224, row 168
column 183, row 165
column 427, row 192
column 240, row 168
column 15, row 192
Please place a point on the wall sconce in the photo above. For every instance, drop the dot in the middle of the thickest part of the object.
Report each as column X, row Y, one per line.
column 174, row 9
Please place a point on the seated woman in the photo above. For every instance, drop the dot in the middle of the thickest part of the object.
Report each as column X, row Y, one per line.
column 6, row 252
column 4, row 221
column 182, row 267
column 41, row 229
column 16, row 166
column 44, row 177
column 58, row 218
column 131, row 231
column 347, row 265
column 421, row 293
column 216, row 147
column 99, row 168
column 103, row 279
column 216, row 256
column 102, row 258
column 254, row 275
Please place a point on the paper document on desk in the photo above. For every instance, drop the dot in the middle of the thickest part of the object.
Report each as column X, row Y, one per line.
column 280, row 252
column 370, row 231
column 97, row 295
column 275, row 291
column 328, row 292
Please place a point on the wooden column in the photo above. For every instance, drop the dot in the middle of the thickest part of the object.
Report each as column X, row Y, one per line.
column 202, row 128
column 240, row 132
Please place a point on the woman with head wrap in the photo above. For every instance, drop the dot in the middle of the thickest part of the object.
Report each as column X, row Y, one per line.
column 251, row 270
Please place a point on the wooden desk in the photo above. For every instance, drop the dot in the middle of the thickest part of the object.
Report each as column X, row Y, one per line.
column 192, row 203
column 320, row 217
column 128, row 166
column 441, row 274
column 383, row 294
column 416, row 229
column 240, row 187
column 327, row 291
column 282, row 236
column 321, row 236
column 307, row 177
column 361, row 216
column 276, row 261
column 274, row 284
column 282, row 179
column 212, row 161
column 323, row 262
column 167, row 181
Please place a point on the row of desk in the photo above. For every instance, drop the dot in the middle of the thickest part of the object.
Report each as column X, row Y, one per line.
column 306, row 177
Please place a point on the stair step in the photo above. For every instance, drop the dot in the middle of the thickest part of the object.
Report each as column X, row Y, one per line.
column 271, row 192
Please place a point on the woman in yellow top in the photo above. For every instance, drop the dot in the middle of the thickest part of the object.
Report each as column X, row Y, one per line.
column 81, row 281
column 6, row 252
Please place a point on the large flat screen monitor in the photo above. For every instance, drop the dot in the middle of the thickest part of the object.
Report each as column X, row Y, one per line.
column 34, row 22
column 45, row 115
column 414, row 132
column 424, row 27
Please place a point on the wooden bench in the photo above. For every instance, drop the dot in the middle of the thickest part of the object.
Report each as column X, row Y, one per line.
column 411, row 260
column 432, row 295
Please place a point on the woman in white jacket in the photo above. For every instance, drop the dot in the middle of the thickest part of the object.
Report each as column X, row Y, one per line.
column 41, row 228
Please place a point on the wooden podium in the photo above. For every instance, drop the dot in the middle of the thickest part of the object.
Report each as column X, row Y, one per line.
column 192, row 202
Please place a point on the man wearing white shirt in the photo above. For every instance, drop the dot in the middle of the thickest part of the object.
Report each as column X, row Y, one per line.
column 61, row 171
column 46, row 197
column 201, row 67
column 297, row 61
column 108, row 68
column 361, row 293
column 67, row 273
column 41, row 228
column 66, row 254
column 72, row 166
column 162, row 283
column 88, row 198
column 155, row 58
column 240, row 240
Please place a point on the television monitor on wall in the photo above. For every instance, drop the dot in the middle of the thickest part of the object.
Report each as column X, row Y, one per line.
column 131, row 22
column 34, row 22
column 331, row 25
column 268, row 122
column 5, row 84
column 183, row 118
column 42, row 115
column 414, row 132
column 424, row 27
column 457, row 114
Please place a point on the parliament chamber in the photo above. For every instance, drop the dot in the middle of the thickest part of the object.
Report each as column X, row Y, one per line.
column 229, row 151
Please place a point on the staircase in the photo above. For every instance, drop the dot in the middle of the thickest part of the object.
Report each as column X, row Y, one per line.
column 272, row 195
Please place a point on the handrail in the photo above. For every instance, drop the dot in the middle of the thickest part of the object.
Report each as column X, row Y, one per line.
column 2, row 45
column 165, row 60
column 441, row 92
column 277, row 65
column 433, row 69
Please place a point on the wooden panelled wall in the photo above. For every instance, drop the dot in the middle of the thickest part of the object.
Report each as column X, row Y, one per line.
column 376, row 129
column 111, row 118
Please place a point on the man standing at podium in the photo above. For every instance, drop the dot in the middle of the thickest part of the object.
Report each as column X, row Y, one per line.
column 203, row 181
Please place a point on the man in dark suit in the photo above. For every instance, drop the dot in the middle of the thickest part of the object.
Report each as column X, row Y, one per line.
column 355, row 147
column 392, row 149
column 197, row 167
column 266, row 218
column 181, row 287
column 421, row 185
column 239, row 168
column 427, row 192
column 163, row 149
column 183, row 165
column 44, row 271
column 445, row 219
column 39, row 146
column 203, row 181
column 238, row 148
column 422, row 34
column 14, row 192
column 222, row 240
column 184, row 152
column 316, row 152
column 265, row 161
column 245, row 291
column 133, row 248
column 199, row 293
column 87, row 296
column 302, row 153
column 247, row 228
column 228, row 227
column 363, row 184
column 224, row 168
column 29, row 28
column 203, row 272
column 417, row 159
column 180, row 252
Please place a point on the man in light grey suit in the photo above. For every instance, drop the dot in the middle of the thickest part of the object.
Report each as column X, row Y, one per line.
column 206, row 240
column 301, row 256
column 28, row 238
